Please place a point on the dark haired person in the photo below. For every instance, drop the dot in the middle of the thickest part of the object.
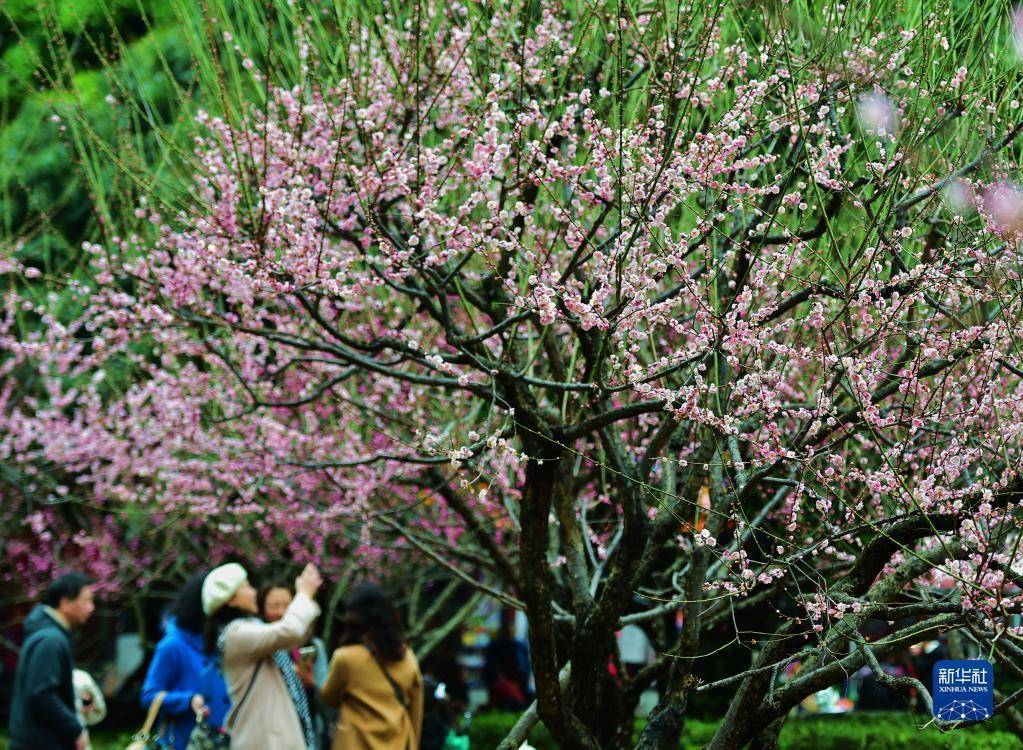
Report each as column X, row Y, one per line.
column 43, row 705
column 374, row 678
column 269, row 707
column 178, row 670
column 274, row 599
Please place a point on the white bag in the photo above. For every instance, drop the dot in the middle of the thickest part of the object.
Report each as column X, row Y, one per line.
column 87, row 689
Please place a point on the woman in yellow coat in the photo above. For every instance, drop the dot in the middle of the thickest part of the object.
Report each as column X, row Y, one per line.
column 374, row 678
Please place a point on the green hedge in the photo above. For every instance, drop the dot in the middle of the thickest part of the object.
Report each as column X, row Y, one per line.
column 890, row 732
column 865, row 731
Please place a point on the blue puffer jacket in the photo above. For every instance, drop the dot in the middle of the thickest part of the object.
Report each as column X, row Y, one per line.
column 179, row 667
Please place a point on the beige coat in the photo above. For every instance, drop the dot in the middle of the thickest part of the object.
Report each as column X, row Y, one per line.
column 267, row 720
column 371, row 716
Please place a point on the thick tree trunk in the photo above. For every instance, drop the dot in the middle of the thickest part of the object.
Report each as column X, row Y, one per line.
column 593, row 691
column 768, row 738
column 537, row 593
column 665, row 726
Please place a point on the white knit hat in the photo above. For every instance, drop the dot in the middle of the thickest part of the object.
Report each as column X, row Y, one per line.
column 220, row 585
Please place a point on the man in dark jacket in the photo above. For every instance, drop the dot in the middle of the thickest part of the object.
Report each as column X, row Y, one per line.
column 43, row 707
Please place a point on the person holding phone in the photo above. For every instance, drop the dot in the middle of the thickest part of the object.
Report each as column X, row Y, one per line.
column 310, row 660
column 269, row 706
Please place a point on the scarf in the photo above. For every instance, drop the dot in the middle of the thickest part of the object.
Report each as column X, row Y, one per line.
column 297, row 692
column 294, row 684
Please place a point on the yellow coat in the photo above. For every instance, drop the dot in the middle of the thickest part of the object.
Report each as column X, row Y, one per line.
column 371, row 716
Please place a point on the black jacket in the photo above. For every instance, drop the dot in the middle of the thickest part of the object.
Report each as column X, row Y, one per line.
column 43, row 707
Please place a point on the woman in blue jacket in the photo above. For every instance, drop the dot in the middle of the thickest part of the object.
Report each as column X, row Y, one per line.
column 182, row 669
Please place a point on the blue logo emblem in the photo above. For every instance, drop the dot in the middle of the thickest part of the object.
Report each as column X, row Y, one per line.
column 963, row 690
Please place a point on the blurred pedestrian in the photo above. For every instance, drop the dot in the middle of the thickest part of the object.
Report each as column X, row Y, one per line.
column 310, row 659
column 43, row 705
column 177, row 670
column 374, row 678
column 269, row 709
column 506, row 668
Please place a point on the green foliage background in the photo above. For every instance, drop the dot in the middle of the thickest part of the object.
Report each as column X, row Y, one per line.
column 68, row 57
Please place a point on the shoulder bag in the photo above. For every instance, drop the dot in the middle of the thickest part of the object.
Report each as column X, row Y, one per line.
column 398, row 692
column 144, row 739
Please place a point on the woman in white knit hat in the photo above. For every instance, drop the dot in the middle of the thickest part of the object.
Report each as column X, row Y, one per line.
column 269, row 708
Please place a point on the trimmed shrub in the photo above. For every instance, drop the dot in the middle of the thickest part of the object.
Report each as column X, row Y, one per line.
column 863, row 731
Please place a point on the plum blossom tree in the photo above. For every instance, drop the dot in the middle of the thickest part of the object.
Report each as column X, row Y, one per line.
column 610, row 312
